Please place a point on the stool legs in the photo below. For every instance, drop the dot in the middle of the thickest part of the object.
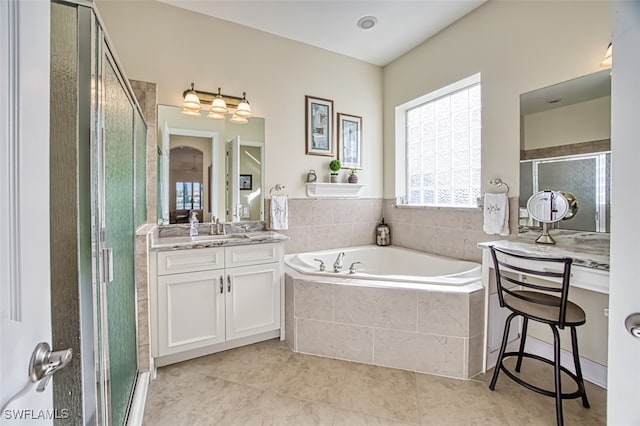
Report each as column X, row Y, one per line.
column 576, row 363
column 556, row 370
column 523, row 339
column 505, row 339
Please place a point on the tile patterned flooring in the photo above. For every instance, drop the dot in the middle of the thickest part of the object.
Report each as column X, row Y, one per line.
column 268, row 384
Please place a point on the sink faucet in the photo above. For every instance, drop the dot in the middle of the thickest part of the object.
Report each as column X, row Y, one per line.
column 337, row 265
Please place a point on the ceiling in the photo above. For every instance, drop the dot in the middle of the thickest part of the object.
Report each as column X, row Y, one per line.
column 331, row 25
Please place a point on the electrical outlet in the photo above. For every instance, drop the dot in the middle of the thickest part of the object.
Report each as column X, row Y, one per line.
column 606, row 312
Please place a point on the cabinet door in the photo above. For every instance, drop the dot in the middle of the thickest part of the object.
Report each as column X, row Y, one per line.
column 190, row 311
column 253, row 300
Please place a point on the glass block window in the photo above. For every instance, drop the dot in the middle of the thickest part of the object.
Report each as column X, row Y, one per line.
column 443, row 147
column 188, row 195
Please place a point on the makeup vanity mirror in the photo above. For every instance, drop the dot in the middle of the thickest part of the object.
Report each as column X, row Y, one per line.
column 214, row 167
column 565, row 145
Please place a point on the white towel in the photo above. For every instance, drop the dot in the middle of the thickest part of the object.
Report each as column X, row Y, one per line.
column 279, row 213
column 496, row 214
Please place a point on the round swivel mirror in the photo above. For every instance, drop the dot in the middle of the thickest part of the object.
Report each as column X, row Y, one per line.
column 548, row 207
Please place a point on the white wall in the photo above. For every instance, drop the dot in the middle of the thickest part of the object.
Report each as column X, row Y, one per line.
column 173, row 47
column 518, row 46
column 581, row 122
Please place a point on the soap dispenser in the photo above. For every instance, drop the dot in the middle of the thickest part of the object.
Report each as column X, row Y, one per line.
column 193, row 231
column 383, row 234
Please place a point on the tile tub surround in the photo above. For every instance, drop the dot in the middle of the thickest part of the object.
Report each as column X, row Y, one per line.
column 320, row 224
column 426, row 331
column 450, row 232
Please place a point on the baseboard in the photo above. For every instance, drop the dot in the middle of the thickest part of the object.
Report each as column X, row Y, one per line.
column 591, row 371
column 136, row 412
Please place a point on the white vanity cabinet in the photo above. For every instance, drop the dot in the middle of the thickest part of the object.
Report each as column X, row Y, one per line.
column 204, row 300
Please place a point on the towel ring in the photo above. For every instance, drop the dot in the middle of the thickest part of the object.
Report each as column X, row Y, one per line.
column 497, row 182
column 277, row 187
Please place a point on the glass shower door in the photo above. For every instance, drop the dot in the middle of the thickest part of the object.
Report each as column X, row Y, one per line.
column 118, row 235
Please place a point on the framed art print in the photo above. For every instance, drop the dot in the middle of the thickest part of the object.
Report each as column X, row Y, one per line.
column 319, row 126
column 350, row 141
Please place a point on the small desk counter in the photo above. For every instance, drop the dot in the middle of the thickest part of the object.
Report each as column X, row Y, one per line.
column 589, row 273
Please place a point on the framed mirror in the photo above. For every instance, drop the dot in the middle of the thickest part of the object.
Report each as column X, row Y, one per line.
column 201, row 163
column 565, row 145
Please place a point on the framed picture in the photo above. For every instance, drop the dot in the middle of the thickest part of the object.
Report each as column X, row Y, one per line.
column 350, row 141
column 319, row 126
column 246, row 182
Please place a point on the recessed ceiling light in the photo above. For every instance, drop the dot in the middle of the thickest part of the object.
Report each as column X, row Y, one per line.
column 367, row 22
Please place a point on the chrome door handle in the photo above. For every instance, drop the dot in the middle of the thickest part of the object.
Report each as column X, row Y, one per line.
column 229, row 283
column 221, row 284
column 44, row 362
column 632, row 324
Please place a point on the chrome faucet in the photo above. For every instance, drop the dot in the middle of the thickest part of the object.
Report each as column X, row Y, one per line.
column 337, row 265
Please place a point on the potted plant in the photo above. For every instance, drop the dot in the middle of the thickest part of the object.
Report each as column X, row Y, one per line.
column 335, row 165
column 353, row 177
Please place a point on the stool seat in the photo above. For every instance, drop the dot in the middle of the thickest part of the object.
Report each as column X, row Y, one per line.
column 544, row 310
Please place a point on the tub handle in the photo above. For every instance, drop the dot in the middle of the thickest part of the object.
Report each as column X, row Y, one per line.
column 352, row 268
column 322, row 267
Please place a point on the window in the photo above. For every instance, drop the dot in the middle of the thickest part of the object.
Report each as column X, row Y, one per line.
column 439, row 135
column 188, row 195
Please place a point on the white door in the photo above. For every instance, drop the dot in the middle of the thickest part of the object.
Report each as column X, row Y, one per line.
column 623, row 407
column 25, row 311
column 233, row 179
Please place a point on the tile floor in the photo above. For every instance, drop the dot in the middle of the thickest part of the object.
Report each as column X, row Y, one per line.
column 268, row 384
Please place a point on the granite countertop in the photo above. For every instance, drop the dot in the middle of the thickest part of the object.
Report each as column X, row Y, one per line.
column 582, row 255
column 176, row 237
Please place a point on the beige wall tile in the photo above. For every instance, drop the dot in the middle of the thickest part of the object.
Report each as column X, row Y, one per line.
column 313, row 300
column 289, row 306
column 445, row 314
column 474, row 355
column 420, row 352
column 342, row 341
column 376, row 307
column 476, row 313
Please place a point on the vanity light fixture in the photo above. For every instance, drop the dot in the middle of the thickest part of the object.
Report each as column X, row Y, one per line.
column 244, row 109
column 238, row 120
column 221, row 105
column 608, row 57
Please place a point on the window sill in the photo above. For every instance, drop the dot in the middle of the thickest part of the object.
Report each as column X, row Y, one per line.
column 423, row 207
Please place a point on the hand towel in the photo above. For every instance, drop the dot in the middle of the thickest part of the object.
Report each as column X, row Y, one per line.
column 279, row 213
column 496, row 214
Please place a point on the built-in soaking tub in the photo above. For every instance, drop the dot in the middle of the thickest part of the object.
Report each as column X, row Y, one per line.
column 401, row 308
column 394, row 264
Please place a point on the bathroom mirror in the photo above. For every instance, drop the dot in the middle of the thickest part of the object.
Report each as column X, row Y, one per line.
column 548, row 206
column 565, row 145
column 214, row 167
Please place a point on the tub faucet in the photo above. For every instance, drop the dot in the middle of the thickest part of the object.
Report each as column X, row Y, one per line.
column 337, row 265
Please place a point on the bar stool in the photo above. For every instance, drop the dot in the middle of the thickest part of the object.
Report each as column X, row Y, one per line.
column 533, row 301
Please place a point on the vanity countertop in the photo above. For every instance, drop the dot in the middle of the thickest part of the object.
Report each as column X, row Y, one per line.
column 585, row 256
column 168, row 243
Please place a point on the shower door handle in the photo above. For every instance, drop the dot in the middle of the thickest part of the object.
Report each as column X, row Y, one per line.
column 107, row 265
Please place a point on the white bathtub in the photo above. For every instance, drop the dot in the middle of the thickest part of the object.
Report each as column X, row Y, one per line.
column 389, row 264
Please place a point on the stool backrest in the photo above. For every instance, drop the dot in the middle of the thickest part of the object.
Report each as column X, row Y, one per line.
column 515, row 268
